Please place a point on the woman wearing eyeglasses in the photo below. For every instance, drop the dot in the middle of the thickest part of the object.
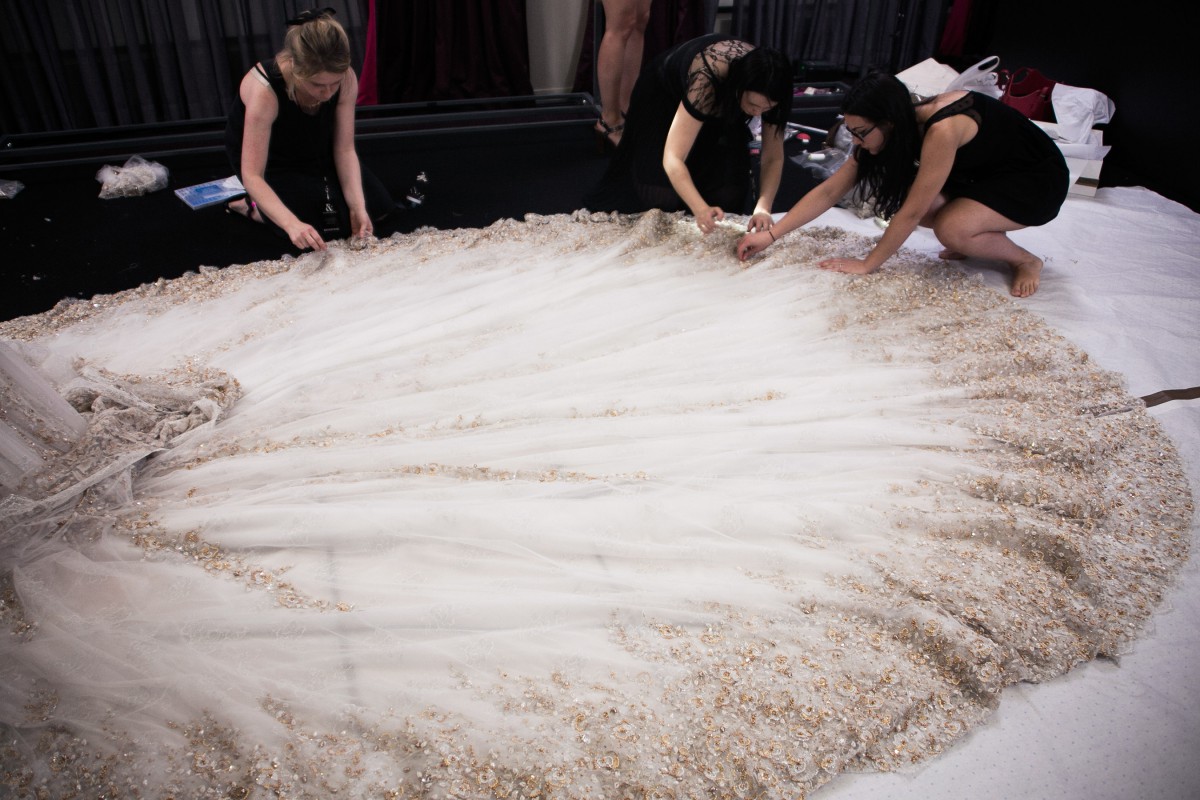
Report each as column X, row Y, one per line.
column 290, row 139
column 961, row 163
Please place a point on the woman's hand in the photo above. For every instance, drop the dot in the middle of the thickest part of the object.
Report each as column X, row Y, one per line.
column 760, row 221
column 708, row 217
column 853, row 266
column 360, row 223
column 753, row 243
column 305, row 236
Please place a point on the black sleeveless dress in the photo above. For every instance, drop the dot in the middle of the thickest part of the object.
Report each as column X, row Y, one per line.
column 719, row 161
column 300, row 162
column 1011, row 166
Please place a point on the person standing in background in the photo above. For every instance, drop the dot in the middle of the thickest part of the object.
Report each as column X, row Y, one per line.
column 618, row 62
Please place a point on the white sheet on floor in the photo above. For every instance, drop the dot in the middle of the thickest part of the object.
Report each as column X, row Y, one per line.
column 1122, row 280
column 583, row 480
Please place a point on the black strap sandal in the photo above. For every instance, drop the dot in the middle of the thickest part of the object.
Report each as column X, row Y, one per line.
column 604, row 134
column 251, row 213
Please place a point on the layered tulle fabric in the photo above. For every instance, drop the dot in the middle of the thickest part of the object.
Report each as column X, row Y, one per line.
column 571, row 507
column 36, row 422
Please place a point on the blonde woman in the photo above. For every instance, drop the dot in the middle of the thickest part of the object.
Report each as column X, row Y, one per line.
column 290, row 138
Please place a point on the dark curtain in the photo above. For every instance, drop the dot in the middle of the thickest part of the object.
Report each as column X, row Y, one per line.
column 954, row 34
column 671, row 22
column 72, row 64
column 450, row 50
column 844, row 35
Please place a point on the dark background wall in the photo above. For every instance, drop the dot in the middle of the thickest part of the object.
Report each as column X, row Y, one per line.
column 1144, row 56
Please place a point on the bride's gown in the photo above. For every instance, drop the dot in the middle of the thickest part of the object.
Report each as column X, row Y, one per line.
column 574, row 507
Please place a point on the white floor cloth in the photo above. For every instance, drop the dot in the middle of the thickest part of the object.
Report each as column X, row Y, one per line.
column 577, row 507
column 1123, row 283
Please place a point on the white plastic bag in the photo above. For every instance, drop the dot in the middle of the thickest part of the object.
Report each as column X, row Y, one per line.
column 981, row 77
column 930, row 78
column 137, row 177
column 9, row 189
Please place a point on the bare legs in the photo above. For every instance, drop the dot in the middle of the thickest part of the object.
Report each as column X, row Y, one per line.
column 969, row 229
column 619, row 60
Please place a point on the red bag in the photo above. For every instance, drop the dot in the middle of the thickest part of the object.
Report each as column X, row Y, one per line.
column 1028, row 91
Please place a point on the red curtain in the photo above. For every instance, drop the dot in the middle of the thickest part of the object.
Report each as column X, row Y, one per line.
column 446, row 50
column 954, row 35
column 368, row 84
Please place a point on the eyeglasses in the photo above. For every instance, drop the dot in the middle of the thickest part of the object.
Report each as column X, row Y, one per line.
column 861, row 135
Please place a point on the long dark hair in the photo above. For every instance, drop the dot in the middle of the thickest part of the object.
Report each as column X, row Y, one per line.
column 887, row 176
column 763, row 70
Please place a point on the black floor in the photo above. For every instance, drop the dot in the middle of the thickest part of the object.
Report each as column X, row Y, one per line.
column 60, row 240
column 484, row 163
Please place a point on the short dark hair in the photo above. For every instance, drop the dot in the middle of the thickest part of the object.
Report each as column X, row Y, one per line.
column 766, row 71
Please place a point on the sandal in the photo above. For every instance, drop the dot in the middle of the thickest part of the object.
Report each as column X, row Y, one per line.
column 251, row 213
column 604, row 134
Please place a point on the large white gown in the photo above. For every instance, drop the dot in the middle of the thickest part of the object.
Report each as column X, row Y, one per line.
column 570, row 507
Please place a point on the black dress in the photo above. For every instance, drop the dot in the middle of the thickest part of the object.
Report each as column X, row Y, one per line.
column 719, row 161
column 1011, row 166
column 300, row 164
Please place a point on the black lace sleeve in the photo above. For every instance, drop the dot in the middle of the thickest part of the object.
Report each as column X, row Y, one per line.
column 705, row 73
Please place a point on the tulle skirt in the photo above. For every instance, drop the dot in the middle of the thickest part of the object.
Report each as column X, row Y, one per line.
column 570, row 507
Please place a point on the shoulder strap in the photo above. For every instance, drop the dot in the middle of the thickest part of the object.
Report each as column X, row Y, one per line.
column 963, row 105
column 262, row 75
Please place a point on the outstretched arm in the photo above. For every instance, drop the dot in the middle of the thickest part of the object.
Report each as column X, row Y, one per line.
column 812, row 205
column 937, row 157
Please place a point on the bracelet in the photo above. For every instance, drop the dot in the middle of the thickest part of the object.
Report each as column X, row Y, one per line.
column 773, row 239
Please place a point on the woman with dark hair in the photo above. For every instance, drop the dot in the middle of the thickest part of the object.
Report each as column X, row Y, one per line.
column 686, row 139
column 290, row 139
column 961, row 163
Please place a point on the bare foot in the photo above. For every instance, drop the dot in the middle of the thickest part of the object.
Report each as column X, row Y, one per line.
column 1026, row 277
column 951, row 255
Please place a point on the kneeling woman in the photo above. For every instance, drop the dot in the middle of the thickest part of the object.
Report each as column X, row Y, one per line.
column 290, row 138
column 984, row 170
column 686, row 142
